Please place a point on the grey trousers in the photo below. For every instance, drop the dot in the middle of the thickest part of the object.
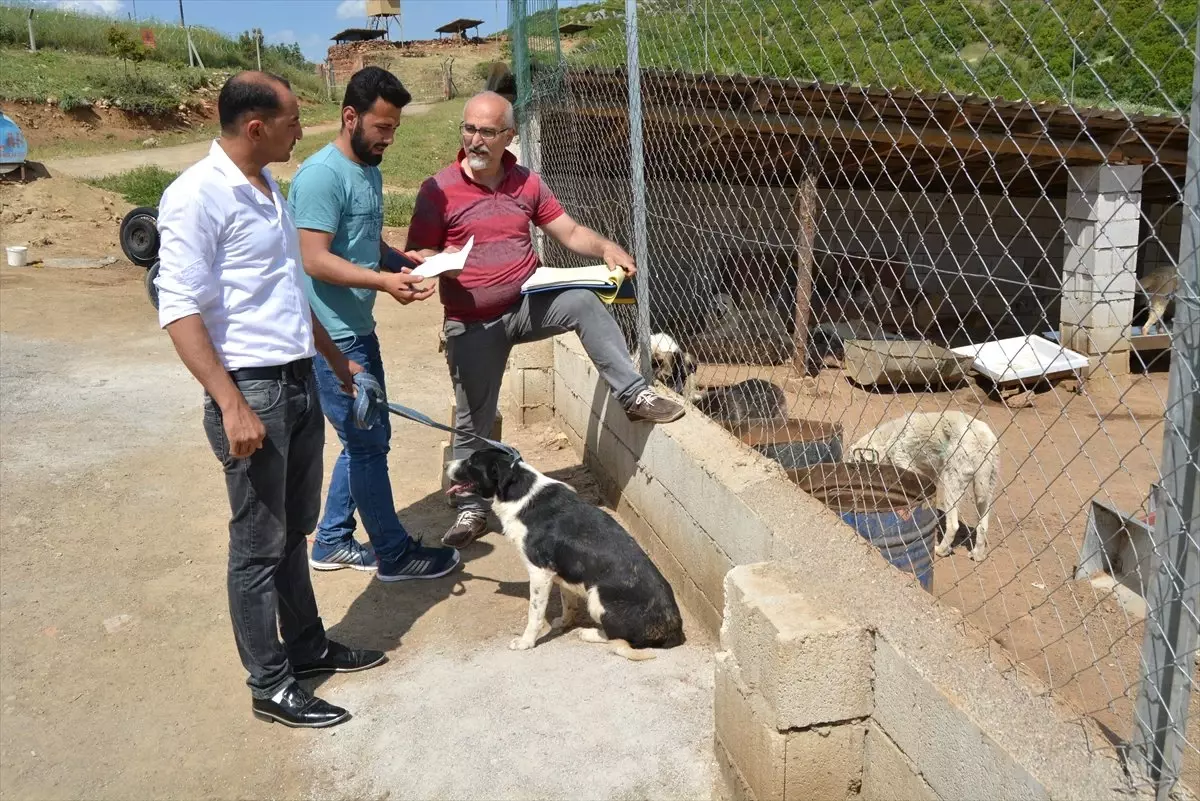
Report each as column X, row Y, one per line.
column 477, row 352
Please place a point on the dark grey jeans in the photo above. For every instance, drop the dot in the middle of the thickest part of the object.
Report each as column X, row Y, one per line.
column 477, row 354
column 274, row 501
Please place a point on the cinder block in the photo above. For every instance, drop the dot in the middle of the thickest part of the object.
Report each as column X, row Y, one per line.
column 527, row 355
column 728, row 783
column 888, row 774
column 810, row 667
column 928, row 726
column 757, row 750
column 824, row 763
column 538, row 386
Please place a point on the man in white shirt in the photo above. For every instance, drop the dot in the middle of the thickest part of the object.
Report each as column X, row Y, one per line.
column 232, row 298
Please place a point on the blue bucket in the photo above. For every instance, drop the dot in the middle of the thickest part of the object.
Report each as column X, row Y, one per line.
column 890, row 508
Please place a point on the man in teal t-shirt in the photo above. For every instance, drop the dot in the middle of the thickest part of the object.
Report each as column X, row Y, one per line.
column 336, row 201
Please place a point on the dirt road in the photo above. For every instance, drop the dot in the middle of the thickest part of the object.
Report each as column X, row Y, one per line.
column 173, row 159
column 120, row 675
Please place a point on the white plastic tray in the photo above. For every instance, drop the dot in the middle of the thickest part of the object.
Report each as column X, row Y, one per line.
column 1022, row 358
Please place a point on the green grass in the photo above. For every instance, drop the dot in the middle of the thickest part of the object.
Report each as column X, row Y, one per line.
column 78, row 80
column 1137, row 53
column 145, row 185
column 84, row 35
column 141, row 187
column 424, row 144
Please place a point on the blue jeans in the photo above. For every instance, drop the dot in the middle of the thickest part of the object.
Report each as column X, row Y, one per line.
column 360, row 474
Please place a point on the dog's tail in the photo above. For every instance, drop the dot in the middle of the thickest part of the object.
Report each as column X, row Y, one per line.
column 623, row 648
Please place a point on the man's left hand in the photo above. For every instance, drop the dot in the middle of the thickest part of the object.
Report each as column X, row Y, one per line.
column 345, row 373
column 614, row 256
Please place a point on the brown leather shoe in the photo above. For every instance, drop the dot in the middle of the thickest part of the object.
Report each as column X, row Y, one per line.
column 654, row 408
column 470, row 525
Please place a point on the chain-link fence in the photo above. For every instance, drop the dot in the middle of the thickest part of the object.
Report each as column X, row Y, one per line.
column 862, row 219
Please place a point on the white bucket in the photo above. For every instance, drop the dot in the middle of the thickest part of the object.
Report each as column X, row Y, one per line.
column 17, row 255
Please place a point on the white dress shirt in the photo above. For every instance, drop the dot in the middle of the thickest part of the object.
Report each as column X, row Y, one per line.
column 232, row 255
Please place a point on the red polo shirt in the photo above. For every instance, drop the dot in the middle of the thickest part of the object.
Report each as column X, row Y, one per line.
column 451, row 208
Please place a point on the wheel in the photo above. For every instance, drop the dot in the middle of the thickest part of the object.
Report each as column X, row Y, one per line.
column 151, row 289
column 139, row 236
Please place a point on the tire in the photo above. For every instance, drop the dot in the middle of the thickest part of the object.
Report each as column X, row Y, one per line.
column 139, row 236
column 151, row 289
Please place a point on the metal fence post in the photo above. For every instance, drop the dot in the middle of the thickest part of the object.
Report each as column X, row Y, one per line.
column 1173, row 596
column 518, row 12
column 637, row 180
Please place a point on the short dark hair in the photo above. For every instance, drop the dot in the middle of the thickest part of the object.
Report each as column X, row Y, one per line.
column 249, row 93
column 371, row 83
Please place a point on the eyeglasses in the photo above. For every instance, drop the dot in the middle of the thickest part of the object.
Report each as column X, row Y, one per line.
column 488, row 134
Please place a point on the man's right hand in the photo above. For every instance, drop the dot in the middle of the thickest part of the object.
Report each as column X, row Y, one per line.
column 404, row 287
column 243, row 429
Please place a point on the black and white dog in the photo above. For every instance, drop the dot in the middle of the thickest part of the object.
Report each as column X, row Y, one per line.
column 565, row 540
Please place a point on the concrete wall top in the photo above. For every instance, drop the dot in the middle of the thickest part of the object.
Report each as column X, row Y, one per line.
column 826, row 559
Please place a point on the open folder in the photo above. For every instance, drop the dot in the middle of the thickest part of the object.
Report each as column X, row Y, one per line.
column 609, row 284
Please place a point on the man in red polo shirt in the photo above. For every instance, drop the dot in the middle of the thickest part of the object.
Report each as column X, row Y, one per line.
column 486, row 194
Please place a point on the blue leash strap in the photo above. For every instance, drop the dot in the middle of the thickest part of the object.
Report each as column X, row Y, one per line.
column 371, row 399
column 417, row 417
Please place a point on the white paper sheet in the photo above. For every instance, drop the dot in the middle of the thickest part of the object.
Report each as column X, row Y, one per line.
column 445, row 262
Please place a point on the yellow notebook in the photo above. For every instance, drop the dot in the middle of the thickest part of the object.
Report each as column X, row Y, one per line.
column 605, row 281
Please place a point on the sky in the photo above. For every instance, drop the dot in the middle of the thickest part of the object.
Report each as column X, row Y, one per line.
column 307, row 22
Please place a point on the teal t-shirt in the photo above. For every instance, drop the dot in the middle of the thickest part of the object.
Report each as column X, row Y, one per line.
column 333, row 194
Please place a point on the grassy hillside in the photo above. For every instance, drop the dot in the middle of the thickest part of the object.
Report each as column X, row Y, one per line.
column 1136, row 54
column 145, row 186
column 76, row 62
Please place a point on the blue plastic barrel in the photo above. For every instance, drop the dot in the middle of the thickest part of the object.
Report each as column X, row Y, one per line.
column 893, row 509
column 13, row 147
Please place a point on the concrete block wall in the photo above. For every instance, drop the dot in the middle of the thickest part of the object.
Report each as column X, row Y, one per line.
column 1100, row 257
column 838, row 676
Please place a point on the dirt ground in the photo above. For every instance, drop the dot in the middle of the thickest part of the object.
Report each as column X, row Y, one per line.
column 1057, row 454
column 120, row 676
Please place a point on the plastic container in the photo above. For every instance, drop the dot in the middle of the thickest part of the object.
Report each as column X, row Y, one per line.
column 893, row 509
column 18, row 255
column 900, row 363
column 1022, row 358
column 793, row 443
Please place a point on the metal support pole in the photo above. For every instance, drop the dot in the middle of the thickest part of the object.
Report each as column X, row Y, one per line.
column 187, row 36
column 32, row 43
column 637, row 179
column 518, row 13
column 1172, row 637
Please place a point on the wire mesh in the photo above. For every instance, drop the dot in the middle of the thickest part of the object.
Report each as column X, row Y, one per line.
column 894, row 213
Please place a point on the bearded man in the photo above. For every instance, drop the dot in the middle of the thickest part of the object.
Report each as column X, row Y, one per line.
column 337, row 203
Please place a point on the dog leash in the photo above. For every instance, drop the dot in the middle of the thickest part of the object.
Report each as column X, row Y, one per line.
column 371, row 399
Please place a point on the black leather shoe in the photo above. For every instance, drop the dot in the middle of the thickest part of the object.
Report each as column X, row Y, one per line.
column 299, row 709
column 340, row 659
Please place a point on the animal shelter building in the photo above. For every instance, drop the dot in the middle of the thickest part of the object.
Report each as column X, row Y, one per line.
column 950, row 217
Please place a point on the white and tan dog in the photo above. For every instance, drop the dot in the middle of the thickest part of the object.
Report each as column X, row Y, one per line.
column 1158, row 286
column 953, row 448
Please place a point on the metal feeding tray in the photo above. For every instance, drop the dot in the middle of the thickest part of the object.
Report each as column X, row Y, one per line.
column 902, row 363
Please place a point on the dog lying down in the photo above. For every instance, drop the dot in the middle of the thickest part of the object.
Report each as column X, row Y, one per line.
column 564, row 540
